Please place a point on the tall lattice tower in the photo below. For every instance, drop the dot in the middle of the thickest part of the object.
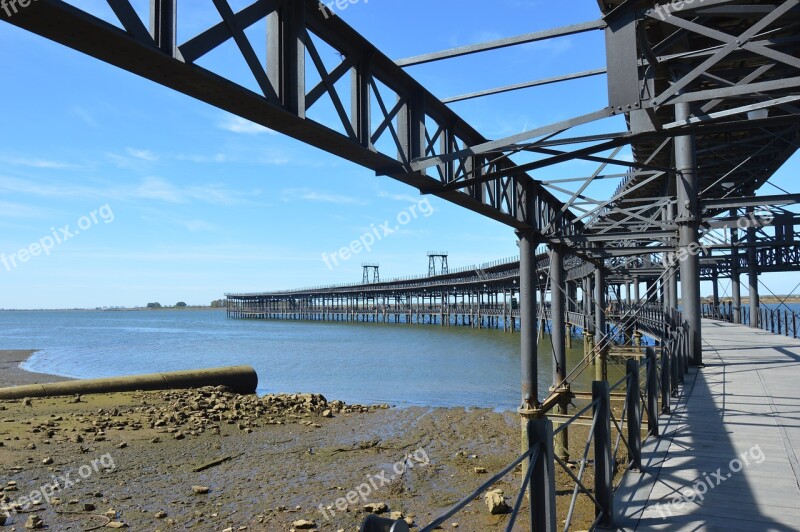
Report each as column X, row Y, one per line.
column 373, row 269
column 434, row 258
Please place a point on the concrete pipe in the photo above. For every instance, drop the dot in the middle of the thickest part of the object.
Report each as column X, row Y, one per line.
column 240, row 379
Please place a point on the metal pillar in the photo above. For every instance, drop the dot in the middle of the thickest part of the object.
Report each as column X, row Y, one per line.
column 672, row 274
column 164, row 24
column 752, row 270
column 636, row 296
column 558, row 339
column 601, row 369
column 527, row 304
column 687, row 187
column 715, row 288
column 736, row 285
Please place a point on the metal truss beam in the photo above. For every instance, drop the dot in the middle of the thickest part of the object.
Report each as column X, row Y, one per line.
column 282, row 104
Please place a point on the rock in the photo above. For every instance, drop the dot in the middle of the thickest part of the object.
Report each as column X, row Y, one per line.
column 116, row 524
column 480, row 470
column 3, row 519
column 26, row 401
column 495, row 502
column 396, row 516
column 161, row 514
column 47, row 461
column 201, row 490
column 156, row 440
column 111, row 513
column 327, row 413
column 122, row 445
column 304, row 524
column 31, row 447
column 89, row 507
column 34, row 522
column 376, row 507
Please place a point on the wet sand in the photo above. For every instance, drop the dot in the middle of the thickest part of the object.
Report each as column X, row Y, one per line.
column 12, row 375
column 267, row 462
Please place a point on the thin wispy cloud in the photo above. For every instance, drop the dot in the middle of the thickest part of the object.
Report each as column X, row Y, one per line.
column 33, row 162
column 151, row 188
column 319, row 196
column 144, row 155
column 85, row 116
column 398, row 197
column 14, row 210
column 237, row 124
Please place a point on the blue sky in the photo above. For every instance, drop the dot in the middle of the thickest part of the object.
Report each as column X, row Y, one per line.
column 205, row 203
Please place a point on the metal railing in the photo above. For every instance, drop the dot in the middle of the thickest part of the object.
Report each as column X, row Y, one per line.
column 781, row 321
column 649, row 387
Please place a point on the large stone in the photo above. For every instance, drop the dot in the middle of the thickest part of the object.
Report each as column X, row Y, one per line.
column 304, row 524
column 496, row 502
column 376, row 507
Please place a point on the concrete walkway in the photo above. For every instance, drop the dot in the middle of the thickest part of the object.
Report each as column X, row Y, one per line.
column 728, row 456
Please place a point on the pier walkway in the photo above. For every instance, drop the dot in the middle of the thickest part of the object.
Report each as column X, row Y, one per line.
column 727, row 458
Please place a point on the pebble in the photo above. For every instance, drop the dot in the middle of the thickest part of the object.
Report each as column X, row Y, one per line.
column 34, row 522
column 376, row 507
column 201, row 490
column 304, row 524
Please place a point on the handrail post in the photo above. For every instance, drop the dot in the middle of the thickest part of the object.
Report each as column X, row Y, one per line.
column 543, row 478
column 604, row 509
column 675, row 364
column 634, row 415
column 666, row 377
column 652, row 391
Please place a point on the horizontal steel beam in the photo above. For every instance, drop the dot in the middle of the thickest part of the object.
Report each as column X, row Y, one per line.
column 503, row 43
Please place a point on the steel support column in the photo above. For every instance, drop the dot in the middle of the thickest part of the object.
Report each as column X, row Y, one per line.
column 528, row 319
column 558, row 339
column 752, row 271
column 601, row 370
column 688, row 235
column 164, row 24
column 736, row 285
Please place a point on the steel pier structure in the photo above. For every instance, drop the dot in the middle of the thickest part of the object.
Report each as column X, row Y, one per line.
column 706, row 94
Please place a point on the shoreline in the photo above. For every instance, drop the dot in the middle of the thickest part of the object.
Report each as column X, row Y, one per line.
column 11, row 374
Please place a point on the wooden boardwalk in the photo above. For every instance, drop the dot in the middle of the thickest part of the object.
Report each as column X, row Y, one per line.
column 728, row 456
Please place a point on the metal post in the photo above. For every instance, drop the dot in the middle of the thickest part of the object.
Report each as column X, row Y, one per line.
column 604, row 509
column 687, row 187
column 543, row 478
column 652, row 390
column 666, row 372
column 752, row 269
column 715, row 296
column 735, row 283
column 558, row 338
column 601, row 371
column 634, row 414
column 636, row 291
column 164, row 24
column 675, row 364
column 529, row 407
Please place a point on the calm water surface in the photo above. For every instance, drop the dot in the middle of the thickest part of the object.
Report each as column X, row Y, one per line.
column 367, row 363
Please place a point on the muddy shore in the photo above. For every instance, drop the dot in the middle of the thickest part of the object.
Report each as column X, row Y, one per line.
column 12, row 375
column 210, row 460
